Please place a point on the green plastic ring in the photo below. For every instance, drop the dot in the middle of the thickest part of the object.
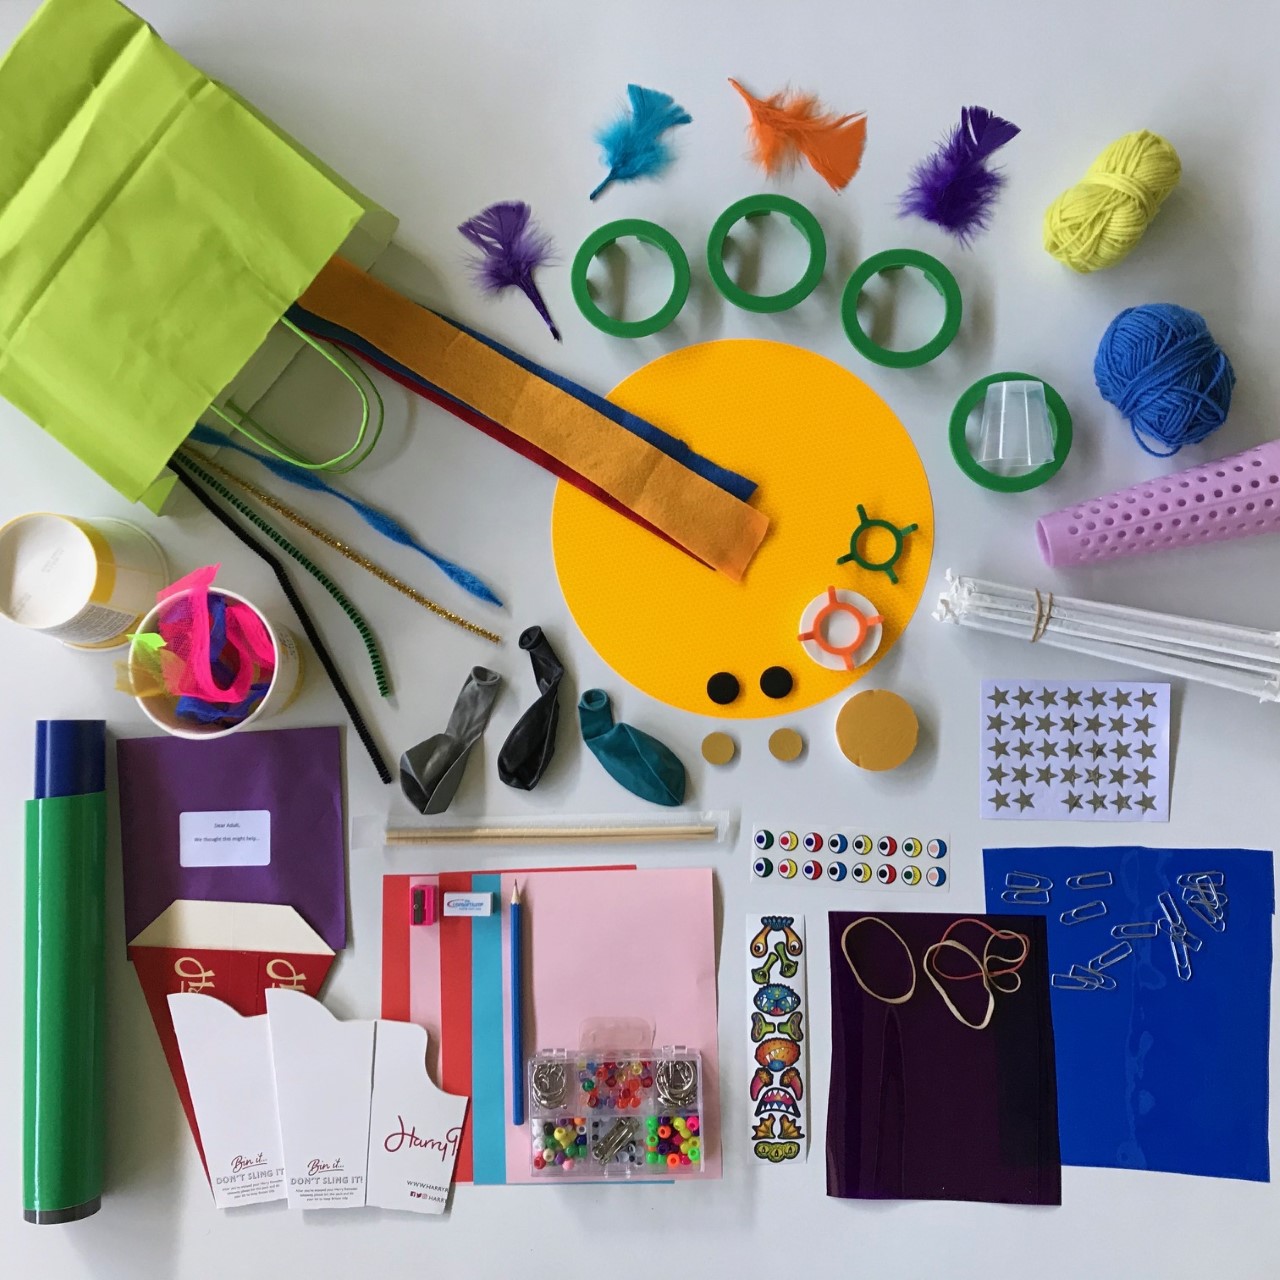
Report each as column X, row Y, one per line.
column 650, row 233
column 756, row 207
column 936, row 274
column 1058, row 414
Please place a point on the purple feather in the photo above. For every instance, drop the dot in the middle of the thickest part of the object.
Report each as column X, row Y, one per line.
column 953, row 187
column 511, row 248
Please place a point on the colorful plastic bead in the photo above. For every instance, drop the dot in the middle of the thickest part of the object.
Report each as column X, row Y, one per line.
column 673, row 1161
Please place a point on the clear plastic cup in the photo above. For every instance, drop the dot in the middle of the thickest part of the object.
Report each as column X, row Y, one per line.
column 1016, row 435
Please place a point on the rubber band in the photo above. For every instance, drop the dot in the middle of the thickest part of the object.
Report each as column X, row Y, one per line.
column 264, row 439
column 857, row 977
column 1044, row 612
column 936, row 274
column 650, row 233
column 758, row 207
column 982, row 968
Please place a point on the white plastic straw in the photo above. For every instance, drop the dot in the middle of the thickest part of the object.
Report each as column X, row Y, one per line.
column 1242, row 659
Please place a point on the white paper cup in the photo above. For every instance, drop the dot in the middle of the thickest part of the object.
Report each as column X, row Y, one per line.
column 84, row 582
column 161, row 710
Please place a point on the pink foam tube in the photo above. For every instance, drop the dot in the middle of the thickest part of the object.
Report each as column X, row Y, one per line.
column 1235, row 497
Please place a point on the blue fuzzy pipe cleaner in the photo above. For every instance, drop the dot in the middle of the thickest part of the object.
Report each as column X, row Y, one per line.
column 377, row 520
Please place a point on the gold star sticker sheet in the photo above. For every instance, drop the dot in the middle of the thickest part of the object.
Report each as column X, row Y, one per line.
column 1095, row 752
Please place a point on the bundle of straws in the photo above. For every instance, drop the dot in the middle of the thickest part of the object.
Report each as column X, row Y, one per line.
column 1244, row 659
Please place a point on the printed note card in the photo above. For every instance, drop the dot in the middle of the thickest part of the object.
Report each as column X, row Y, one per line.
column 221, row 839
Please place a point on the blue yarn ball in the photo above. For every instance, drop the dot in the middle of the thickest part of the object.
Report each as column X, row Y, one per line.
column 1159, row 365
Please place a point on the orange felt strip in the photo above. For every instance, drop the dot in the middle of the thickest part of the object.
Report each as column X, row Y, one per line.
column 711, row 524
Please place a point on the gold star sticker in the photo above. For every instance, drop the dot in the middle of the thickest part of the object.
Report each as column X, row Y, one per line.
column 1020, row 724
column 1120, row 750
column 1120, row 776
column 995, row 773
column 1093, row 724
column 1000, row 800
column 1147, row 699
column 1093, row 777
column 1143, row 726
column 1073, row 801
column 1048, row 697
column 1120, row 698
column 1120, row 801
column 1023, row 697
column 999, row 748
column 1097, row 801
column 1147, row 803
column 1048, row 748
column 999, row 697
column 1023, row 800
column 1070, row 776
column 996, row 722
column 1044, row 775
column 1118, row 724
column 1072, row 698
column 1147, row 750
column 1097, row 699
column 1143, row 777
column 1023, row 747
column 1073, row 749
column 1021, row 775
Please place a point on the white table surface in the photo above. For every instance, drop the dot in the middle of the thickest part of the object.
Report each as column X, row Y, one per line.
column 438, row 108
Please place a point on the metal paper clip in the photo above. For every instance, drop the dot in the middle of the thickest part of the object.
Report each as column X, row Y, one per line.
column 1067, row 982
column 1088, row 911
column 1138, row 929
column 1090, row 880
column 1112, row 955
column 1207, row 901
column 625, row 1129
column 1203, row 877
column 1101, row 981
column 1181, row 940
column 1027, row 880
column 1026, row 897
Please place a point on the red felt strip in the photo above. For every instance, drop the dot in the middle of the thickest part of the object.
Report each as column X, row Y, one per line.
column 455, row 1011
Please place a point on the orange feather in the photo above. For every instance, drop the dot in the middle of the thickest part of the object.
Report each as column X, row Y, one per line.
column 791, row 125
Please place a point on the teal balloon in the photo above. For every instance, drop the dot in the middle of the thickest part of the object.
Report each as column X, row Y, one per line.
column 640, row 763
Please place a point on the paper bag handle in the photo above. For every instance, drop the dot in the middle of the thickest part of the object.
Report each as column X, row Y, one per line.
column 264, row 439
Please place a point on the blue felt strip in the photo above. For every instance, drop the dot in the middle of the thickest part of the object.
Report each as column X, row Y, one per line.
column 1159, row 1073
column 730, row 481
column 488, row 1042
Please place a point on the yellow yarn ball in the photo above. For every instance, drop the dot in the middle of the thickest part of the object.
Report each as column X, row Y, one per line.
column 1100, row 220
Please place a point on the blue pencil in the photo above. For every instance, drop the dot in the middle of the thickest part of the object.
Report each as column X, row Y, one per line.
column 517, row 1000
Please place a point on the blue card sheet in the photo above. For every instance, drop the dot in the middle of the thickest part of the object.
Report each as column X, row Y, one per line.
column 1161, row 1040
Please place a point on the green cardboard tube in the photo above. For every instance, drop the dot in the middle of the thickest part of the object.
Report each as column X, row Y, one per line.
column 64, row 980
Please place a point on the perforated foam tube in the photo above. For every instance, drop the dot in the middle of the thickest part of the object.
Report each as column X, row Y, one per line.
column 1242, row 659
column 1235, row 497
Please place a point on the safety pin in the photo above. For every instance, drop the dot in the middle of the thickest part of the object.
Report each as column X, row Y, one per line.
column 1026, row 897
column 1202, row 877
column 1112, row 955
column 1138, row 929
column 1027, row 880
column 1089, row 911
column 1101, row 981
column 1090, row 880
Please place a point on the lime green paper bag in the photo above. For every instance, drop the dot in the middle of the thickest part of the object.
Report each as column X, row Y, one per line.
column 153, row 229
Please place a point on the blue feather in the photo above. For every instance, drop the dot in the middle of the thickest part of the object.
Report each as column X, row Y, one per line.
column 632, row 144
column 375, row 519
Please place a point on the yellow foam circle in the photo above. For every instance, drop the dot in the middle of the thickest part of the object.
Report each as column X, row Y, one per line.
column 818, row 441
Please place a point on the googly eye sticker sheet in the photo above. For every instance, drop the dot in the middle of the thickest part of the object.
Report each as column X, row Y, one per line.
column 1079, row 752
column 777, row 1038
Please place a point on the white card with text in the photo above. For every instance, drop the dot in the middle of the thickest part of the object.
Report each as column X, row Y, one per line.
column 324, row 1082
column 227, row 1060
column 240, row 838
column 414, row 1128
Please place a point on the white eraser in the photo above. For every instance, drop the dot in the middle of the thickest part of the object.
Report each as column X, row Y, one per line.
column 468, row 904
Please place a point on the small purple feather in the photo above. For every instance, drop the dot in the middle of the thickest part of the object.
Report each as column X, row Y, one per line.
column 953, row 187
column 511, row 248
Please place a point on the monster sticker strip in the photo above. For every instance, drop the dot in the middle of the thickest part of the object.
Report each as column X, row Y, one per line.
column 777, row 1038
